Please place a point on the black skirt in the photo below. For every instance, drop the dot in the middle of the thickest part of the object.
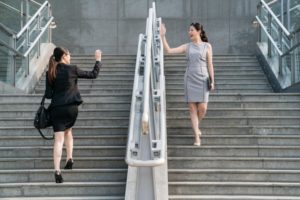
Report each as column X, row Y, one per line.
column 63, row 117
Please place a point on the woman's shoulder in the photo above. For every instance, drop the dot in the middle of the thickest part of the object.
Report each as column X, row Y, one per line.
column 207, row 44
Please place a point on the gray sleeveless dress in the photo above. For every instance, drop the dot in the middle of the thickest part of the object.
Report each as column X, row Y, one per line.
column 196, row 74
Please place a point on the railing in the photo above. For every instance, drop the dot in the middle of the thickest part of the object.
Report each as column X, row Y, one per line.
column 146, row 146
column 277, row 40
column 147, row 118
column 24, row 44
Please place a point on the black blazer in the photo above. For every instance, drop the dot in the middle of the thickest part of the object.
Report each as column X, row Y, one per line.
column 64, row 90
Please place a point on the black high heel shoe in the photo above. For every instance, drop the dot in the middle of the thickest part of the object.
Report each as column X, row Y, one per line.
column 69, row 164
column 58, row 177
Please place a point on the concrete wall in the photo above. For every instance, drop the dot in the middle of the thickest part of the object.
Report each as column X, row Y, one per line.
column 114, row 25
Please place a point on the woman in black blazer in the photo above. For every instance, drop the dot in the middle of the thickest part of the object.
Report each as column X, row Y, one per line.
column 62, row 89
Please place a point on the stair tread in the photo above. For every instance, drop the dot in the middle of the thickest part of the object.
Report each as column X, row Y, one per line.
column 233, row 197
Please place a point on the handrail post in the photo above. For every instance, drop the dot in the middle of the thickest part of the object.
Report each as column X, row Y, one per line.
column 270, row 32
column 259, row 6
column 280, row 47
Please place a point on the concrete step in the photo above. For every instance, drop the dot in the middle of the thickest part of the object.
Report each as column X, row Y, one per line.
column 217, row 129
column 233, row 175
column 88, row 82
column 96, row 140
column 48, row 189
column 234, row 188
column 241, row 162
column 228, row 150
column 46, row 151
column 85, row 162
column 88, row 105
column 96, row 86
column 223, row 73
column 232, row 197
column 238, row 112
column 235, row 120
column 170, row 96
column 222, row 76
column 85, row 121
column 242, row 97
column 36, row 98
column 240, row 104
column 75, row 175
column 232, row 86
column 77, row 130
column 68, row 198
column 236, row 140
column 97, row 90
column 18, row 113
column 220, row 81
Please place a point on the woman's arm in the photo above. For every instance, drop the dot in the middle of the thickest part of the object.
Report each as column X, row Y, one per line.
column 176, row 50
column 210, row 66
column 94, row 73
column 49, row 90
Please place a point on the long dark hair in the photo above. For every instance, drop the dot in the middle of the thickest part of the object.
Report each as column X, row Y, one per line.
column 53, row 61
column 200, row 28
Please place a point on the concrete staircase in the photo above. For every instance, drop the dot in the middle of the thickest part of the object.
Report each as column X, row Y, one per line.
column 251, row 136
column 100, row 135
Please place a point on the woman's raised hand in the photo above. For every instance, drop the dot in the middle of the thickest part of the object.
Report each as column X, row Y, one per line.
column 98, row 55
column 163, row 30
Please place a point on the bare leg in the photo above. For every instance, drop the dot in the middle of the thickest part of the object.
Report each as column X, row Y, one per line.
column 69, row 143
column 195, row 121
column 202, row 107
column 57, row 149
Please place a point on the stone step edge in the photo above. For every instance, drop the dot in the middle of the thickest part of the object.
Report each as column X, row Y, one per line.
column 68, row 198
column 233, row 170
column 51, row 159
column 168, row 118
column 65, row 184
column 236, row 183
column 219, row 94
column 109, row 147
column 75, row 137
column 243, row 158
column 21, row 171
column 181, row 127
column 257, row 147
column 232, row 197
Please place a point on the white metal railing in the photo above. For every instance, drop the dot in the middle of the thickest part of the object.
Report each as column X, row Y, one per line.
column 281, row 43
column 148, row 110
column 147, row 176
column 23, row 43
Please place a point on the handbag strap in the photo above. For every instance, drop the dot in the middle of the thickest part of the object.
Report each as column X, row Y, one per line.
column 43, row 100
column 43, row 136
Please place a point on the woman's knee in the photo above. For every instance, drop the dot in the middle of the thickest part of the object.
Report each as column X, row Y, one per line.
column 202, row 110
column 59, row 137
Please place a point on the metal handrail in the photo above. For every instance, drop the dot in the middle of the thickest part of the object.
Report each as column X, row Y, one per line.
column 38, row 37
column 266, row 6
column 19, row 41
column 291, row 49
column 146, row 96
column 269, row 36
column 46, row 3
column 10, row 48
column 7, row 30
column 11, row 8
column 145, row 117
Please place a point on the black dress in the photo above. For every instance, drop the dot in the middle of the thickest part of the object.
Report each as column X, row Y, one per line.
column 64, row 94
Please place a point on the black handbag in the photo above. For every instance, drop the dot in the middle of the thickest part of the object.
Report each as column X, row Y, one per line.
column 42, row 119
column 209, row 83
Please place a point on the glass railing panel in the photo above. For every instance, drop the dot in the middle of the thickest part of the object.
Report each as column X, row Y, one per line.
column 12, row 18
column 295, row 14
column 4, row 62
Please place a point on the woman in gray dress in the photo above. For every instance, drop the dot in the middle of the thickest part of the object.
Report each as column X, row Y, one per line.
column 199, row 75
